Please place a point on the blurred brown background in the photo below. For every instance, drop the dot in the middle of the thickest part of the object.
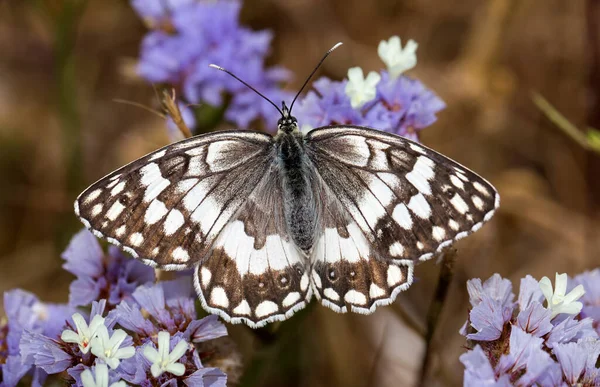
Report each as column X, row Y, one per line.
column 63, row 62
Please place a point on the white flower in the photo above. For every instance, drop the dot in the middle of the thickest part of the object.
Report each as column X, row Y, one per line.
column 558, row 301
column 84, row 333
column 107, row 348
column 359, row 89
column 101, row 378
column 396, row 59
column 162, row 360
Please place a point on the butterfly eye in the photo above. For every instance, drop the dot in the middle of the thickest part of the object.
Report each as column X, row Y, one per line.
column 332, row 274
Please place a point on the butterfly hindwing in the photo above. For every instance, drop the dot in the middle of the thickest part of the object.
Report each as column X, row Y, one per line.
column 255, row 273
column 168, row 207
column 409, row 201
column 347, row 273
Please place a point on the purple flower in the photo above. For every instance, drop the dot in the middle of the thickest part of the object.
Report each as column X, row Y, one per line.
column 207, row 377
column 112, row 276
column 547, row 346
column 525, row 359
column 205, row 32
column 25, row 312
column 327, row 104
column 492, row 307
column 43, row 352
column 591, row 299
column 171, row 305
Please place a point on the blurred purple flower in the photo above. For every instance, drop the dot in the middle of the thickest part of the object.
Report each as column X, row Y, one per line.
column 401, row 106
column 111, row 276
column 25, row 313
column 205, row 32
column 591, row 299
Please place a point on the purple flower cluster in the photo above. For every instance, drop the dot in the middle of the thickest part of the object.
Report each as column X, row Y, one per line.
column 401, row 106
column 111, row 276
column 525, row 342
column 186, row 36
column 137, row 331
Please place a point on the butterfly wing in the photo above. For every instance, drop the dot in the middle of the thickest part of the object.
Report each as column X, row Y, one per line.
column 167, row 208
column 255, row 273
column 346, row 273
column 409, row 201
column 396, row 202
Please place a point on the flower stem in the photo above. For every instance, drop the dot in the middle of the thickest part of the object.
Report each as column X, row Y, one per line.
column 435, row 308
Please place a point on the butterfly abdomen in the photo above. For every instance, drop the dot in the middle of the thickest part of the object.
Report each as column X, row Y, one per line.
column 299, row 204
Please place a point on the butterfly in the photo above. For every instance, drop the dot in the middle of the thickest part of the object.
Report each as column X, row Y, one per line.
column 266, row 222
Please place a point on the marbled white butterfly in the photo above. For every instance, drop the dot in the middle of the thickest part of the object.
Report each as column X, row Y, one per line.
column 343, row 212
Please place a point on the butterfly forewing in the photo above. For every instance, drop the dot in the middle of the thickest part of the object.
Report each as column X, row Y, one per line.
column 255, row 274
column 408, row 201
column 168, row 207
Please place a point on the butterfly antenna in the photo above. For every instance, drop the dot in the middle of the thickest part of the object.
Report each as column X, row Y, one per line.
column 313, row 73
column 245, row 84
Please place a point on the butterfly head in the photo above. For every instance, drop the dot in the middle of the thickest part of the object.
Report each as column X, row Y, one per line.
column 287, row 123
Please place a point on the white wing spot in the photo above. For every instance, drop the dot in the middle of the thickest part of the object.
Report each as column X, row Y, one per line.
column 117, row 189
column 438, row 233
column 394, row 275
column 478, row 202
column 418, row 204
column 375, row 291
column 417, row 148
column 206, row 214
column 92, row 196
column 461, row 175
column 453, row 224
column 155, row 212
column 180, row 254
column 316, row 279
column 218, row 297
column 97, row 209
column 419, row 182
column 304, row 282
column 331, row 294
column 420, row 245
column 396, row 249
column 173, row 222
column 481, row 188
column 136, row 239
column 119, row 232
column 115, row 210
column 266, row 308
column 390, row 179
column 185, row 185
column 242, row 309
column 457, row 182
column 157, row 155
column 381, row 191
column 459, row 204
column 402, row 216
column 206, row 276
column 290, row 299
column 153, row 180
column 355, row 297
column 155, row 251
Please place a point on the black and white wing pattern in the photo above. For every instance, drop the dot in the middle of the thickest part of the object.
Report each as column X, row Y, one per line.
column 167, row 208
column 398, row 202
column 255, row 274
column 347, row 271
